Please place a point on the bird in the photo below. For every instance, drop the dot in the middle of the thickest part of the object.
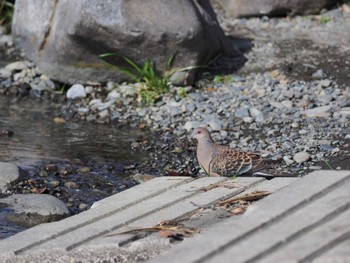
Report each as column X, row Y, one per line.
column 219, row 160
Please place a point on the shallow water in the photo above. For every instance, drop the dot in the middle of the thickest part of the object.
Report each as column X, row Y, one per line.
column 38, row 138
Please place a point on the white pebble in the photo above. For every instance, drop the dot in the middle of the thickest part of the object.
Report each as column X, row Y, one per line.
column 301, row 157
column 76, row 91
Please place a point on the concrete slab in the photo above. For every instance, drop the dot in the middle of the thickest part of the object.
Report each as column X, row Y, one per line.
column 264, row 221
column 30, row 238
column 307, row 217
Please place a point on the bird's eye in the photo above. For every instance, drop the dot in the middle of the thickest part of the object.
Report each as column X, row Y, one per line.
column 199, row 132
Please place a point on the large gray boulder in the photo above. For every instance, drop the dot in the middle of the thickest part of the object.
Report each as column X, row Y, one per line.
column 65, row 38
column 244, row 8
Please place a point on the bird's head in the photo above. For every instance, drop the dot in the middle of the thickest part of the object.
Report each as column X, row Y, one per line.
column 201, row 133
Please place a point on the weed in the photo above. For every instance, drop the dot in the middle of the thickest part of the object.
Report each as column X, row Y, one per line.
column 324, row 19
column 328, row 164
column 182, row 93
column 63, row 88
column 223, row 79
column 152, row 85
column 6, row 12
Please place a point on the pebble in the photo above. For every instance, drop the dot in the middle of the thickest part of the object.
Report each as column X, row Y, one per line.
column 322, row 111
column 18, row 65
column 8, row 174
column 190, row 125
column 215, row 125
column 242, row 113
column 301, row 157
column 71, row 184
column 76, row 91
column 319, row 74
column 287, row 160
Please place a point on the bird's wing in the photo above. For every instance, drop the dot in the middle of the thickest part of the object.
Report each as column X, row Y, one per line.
column 229, row 162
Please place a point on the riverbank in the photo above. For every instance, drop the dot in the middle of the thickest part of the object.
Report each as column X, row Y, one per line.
column 290, row 100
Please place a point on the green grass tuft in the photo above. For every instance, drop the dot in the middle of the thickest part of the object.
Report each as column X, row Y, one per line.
column 6, row 12
column 152, row 85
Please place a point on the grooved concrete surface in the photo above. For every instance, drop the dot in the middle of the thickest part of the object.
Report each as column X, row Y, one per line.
column 304, row 219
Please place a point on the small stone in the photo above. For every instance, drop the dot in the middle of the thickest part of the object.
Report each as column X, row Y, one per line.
column 301, row 157
column 114, row 94
column 215, row 125
column 89, row 89
column 85, row 169
column 287, row 160
column 17, row 66
column 254, row 112
column 71, row 184
column 76, row 91
column 248, row 119
column 322, row 111
column 315, row 167
column 303, row 132
column 103, row 114
column 261, row 117
column 5, row 73
column 127, row 90
column 319, row 74
column 82, row 206
column 59, row 120
column 54, row 183
column 287, row 103
column 41, row 85
column 242, row 113
column 189, row 125
column 135, row 145
column 344, row 111
column 295, row 125
column 191, row 107
column 325, row 83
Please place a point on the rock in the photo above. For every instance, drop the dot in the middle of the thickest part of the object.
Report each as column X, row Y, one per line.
column 8, row 174
column 318, row 74
column 243, row 8
column 301, row 157
column 18, row 65
column 59, row 39
column 76, row 91
column 127, row 90
column 41, row 85
column 344, row 111
column 189, row 125
column 287, row 160
column 248, row 119
column 262, row 117
column 215, row 125
column 254, row 112
column 5, row 73
column 322, row 111
column 325, row 83
column 287, row 103
column 242, row 112
column 71, row 184
column 33, row 209
column 182, row 78
column 114, row 94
